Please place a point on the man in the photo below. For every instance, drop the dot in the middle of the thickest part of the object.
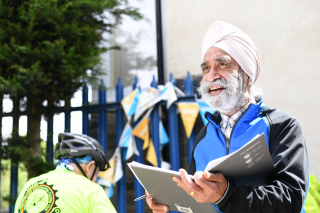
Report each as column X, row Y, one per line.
column 231, row 65
column 68, row 188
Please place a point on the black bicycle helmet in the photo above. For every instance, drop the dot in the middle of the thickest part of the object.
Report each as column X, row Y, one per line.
column 76, row 146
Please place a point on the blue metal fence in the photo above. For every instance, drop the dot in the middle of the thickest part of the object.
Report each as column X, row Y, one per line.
column 102, row 108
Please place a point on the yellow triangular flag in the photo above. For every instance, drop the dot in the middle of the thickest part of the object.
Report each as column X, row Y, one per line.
column 128, row 99
column 142, row 131
column 146, row 142
column 151, row 155
column 109, row 174
column 114, row 173
column 189, row 113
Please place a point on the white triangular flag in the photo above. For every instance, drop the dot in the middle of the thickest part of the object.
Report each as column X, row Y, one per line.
column 130, row 102
column 132, row 148
column 115, row 173
column 144, row 100
column 168, row 94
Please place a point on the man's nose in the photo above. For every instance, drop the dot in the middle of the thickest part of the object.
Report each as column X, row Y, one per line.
column 212, row 75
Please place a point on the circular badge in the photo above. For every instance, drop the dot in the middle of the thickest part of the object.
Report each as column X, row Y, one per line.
column 40, row 199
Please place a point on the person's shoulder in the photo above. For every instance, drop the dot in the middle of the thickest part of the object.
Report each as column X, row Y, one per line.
column 40, row 177
column 282, row 124
column 278, row 117
column 85, row 183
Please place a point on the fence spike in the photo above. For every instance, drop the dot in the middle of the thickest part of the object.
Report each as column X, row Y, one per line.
column 172, row 80
column 188, row 84
column 119, row 90
column 119, row 81
column 154, row 83
column 135, row 83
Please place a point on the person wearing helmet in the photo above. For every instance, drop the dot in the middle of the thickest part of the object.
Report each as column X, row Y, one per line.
column 71, row 186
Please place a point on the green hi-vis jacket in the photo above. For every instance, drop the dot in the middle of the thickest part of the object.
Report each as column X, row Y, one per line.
column 62, row 191
column 312, row 204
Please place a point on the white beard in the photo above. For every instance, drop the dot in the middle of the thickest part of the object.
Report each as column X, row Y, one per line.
column 235, row 93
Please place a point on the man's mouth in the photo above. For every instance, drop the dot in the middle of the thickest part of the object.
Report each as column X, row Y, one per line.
column 213, row 89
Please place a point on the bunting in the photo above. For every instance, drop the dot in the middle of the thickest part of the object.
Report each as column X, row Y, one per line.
column 151, row 155
column 136, row 104
column 142, row 131
column 130, row 102
column 115, row 173
column 127, row 141
column 145, row 102
column 164, row 139
column 189, row 113
column 153, row 96
column 168, row 94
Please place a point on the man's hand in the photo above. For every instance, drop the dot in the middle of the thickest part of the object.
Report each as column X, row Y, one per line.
column 157, row 208
column 207, row 188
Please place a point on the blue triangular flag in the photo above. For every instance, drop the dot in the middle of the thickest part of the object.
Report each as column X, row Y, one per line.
column 163, row 135
column 110, row 191
column 134, row 103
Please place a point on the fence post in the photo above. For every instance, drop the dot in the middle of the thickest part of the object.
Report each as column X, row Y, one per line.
column 155, row 135
column 173, row 134
column 85, row 114
column 102, row 119
column 14, row 160
column 188, row 88
column 67, row 117
column 121, row 184
column 50, row 138
column 138, row 189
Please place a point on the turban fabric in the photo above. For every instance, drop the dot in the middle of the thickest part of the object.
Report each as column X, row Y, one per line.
column 236, row 43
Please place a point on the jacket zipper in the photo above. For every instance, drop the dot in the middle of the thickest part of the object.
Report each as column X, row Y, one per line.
column 224, row 136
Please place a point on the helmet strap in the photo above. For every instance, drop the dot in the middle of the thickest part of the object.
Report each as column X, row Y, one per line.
column 79, row 167
column 94, row 171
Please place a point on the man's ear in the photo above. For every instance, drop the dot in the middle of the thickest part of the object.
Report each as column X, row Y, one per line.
column 88, row 166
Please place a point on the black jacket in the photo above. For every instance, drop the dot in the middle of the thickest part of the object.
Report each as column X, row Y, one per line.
column 287, row 185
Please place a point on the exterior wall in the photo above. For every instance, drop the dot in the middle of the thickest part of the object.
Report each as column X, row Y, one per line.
column 286, row 34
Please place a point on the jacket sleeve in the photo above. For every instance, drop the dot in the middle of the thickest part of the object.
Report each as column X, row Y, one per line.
column 287, row 185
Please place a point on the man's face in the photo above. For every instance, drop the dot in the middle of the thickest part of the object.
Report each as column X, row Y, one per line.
column 222, row 85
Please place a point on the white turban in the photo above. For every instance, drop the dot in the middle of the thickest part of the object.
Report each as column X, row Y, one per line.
column 236, row 43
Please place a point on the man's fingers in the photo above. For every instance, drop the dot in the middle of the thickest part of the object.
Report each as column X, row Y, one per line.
column 158, row 207
column 187, row 184
column 202, row 182
column 214, row 177
column 211, row 180
column 155, row 206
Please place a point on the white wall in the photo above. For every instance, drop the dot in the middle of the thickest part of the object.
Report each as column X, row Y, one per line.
column 287, row 35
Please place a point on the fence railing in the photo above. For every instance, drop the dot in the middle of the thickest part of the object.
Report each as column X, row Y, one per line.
column 102, row 107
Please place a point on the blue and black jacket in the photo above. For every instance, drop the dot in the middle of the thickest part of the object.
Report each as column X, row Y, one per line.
column 286, row 186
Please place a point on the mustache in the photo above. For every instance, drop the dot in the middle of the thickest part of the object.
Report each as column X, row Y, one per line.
column 204, row 86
